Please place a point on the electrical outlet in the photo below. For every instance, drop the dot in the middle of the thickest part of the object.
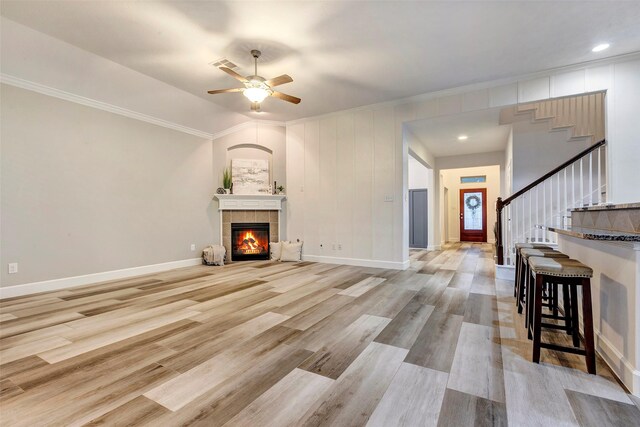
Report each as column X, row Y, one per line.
column 13, row 268
column 339, row 246
column 388, row 198
column 193, row 246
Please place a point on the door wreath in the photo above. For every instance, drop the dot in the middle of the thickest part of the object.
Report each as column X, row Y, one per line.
column 473, row 202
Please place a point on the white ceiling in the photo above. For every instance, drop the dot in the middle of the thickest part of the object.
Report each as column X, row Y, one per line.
column 341, row 54
column 440, row 135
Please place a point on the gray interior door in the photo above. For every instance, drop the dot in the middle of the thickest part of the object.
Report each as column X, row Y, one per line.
column 418, row 237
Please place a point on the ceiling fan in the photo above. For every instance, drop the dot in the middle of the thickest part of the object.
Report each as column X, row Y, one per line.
column 256, row 88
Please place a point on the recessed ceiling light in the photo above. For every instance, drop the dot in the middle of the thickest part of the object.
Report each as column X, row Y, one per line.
column 600, row 47
column 463, row 137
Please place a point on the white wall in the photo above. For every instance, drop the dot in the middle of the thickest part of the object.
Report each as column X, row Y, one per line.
column 85, row 191
column 417, row 148
column 35, row 60
column 508, row 166
column 374, row 134
column 623, row 104
column 339, row 170
column 536, row 152
column 418, row 175
column 451, row 180
column 465, row 161
column 615, row 289
column 253, row 140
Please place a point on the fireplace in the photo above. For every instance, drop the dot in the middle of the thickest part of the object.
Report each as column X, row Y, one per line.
column 249, row 241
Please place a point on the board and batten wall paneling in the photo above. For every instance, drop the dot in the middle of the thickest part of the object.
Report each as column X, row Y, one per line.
column 349, row 167
column 86, row 191
column 345, row 189
column 403, row 113
column 295, row 182
column 327, row 183
column 312, row 198
column 383, row 184
column 378, row 133
column 363, row 199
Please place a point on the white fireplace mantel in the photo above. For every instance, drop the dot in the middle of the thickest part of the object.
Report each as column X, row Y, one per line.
column 258, row 202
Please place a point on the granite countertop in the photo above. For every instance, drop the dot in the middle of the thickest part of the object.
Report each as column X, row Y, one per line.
column 594, row 234
column 608, row 207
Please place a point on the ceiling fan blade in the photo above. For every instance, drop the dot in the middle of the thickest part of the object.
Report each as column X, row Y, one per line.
column 234, row 74
column 280, row 80
column 235, row 89
column 286, row 97
column 255, row 106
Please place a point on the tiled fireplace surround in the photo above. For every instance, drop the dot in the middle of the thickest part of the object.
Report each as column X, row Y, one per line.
column 248, row 216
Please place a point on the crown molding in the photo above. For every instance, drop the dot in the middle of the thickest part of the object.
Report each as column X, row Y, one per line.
column 458, row 90
column 67, row 96
column 246, row 125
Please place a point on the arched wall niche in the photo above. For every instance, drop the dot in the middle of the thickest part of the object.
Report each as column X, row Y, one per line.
column 251, row 151
column 255, row 141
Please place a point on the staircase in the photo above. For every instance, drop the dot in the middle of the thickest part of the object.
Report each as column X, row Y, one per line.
column 583, row 114
column 578, row 182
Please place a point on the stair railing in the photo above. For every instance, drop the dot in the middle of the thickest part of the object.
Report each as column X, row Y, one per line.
column 578, row 182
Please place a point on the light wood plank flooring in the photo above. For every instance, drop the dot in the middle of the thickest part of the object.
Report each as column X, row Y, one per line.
column 287, row 344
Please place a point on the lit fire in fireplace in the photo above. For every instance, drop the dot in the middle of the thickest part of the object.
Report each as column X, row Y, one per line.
column 249, row 244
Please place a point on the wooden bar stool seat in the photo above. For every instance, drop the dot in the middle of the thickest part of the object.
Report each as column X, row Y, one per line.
column 520, row 246
column 570, row 273
column 523, row 272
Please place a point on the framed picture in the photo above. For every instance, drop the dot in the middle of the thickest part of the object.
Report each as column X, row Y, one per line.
column 250, row 176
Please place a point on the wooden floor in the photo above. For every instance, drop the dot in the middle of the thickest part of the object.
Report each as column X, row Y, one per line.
column 280, row 344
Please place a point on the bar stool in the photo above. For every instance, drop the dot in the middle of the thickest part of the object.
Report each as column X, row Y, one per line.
column 570, row 273
column 522, row 282
column 520, row 246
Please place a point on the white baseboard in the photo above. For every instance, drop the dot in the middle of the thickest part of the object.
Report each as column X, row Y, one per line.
column 505, row 272
column 71, row 282
column 619, row 364
column 391, row 265
column 434, row 247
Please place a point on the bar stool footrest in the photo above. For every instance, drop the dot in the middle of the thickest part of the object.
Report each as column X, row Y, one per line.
column 553, row 326
column 551, row 316
column 573, row 350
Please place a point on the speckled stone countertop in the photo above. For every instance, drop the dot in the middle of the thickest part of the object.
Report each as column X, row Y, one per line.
column 608, row 207
column 594, row 234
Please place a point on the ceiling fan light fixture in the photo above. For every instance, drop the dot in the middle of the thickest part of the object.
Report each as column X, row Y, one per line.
column 255, row 94
column 256, row 90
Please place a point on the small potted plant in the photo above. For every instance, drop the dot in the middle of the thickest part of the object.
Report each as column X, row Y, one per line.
column 280, row 189
column 226, row 180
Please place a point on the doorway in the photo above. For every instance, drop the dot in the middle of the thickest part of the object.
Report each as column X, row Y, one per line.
column 418, row 219
column 473, row 214
column 446, row 215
